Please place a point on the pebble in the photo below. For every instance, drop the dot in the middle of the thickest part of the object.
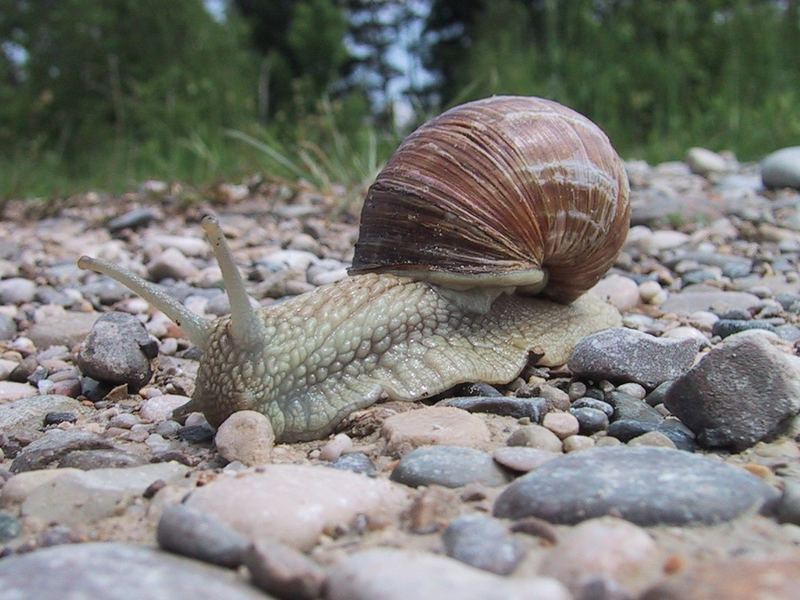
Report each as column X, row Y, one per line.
column 171, row 264
column 577, row 442
column 11, row 391
column 337, row 446
column 8, row 328
column 53, row 446
column 284, row 572
column 563, row 424
column 30, row 412
column 535, row 436
column 86, row 460
column 705, row 162
column 727, row 327
column 740, row 393
column 782, row 168
column 83, row 497
column 558, row 399
column 768, row 578
column 788, row 510
column 118, row 350
column 393, row 574
column 484, row 543
column 619, row 291
column 194, row 534
column 606, row 548
column 629, row 355
column 590, row 420
column 294, row 504
column 633, row 409
column 17, row 290
column 196, row 434
column 160, row 408
column 448, row 466
column 522, row 459
column 19, row 486
column 652, row 438
column 10, row 527
column 357, row 462
column 533, row 408
column 645, row 485
column 593, row 403
column 138, row 217
column 115, row 571
column 245, row 436
column 688, row 302
column 632, row 389
column 433, row 425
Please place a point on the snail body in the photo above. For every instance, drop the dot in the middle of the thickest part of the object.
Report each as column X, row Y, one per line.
column 422, row 311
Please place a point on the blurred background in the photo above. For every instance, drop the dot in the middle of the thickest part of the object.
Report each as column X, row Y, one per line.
column 102, row 94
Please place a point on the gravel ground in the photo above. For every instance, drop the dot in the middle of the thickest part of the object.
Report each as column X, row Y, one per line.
column 661, row 462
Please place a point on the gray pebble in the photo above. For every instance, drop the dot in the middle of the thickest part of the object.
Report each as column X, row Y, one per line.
column 788, row 510
column 10, row 527
column 725, row 327
column 630, row 408
column 588, row 402
column 590, row 420
column 138, row 217
column 196, row 434
column 782, row 168
column 644, row 485
column 533, row 408
column 283, row 571
column 358, row 462
column 195, row 534
column 449, row 466
column 86, row 460
column 484, row 543
column 8, row 328
column 17, row 290
column 629, row 355
column 53, row 446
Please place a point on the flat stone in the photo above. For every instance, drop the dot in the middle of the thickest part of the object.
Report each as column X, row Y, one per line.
column 29, row 413
column 391, row 574
column 604, row 549
column 433, row 425
column 294, row 504
column 734, row 579
column 652, row 438
column 68, row 329
column 118, row 350
column 195, row 534
column 357, row 462
column 159, row 408
column 483, row 543
column 11, row 391
column 533, row 408
column 138, row 217
column 283, row 571
column 740, row 393
column 87, row 496
column 644, row 485
column 535, row 436
column 628, row 355
column 10, row 527
column 563, row 424
column 246, row 436
column 449, row 466
column 782, row 168
column 115, row 571
column 717, row 302
column 727, row 327
column 522, row 459
column 53, row 445
column 87, row 460
column 20, row 486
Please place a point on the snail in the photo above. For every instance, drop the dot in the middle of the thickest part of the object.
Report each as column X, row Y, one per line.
column 477, row 242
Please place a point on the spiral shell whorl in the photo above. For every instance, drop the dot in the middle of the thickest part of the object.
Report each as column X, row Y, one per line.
column 502, row 185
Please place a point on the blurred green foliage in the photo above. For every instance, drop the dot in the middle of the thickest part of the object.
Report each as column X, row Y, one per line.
column 108, row 93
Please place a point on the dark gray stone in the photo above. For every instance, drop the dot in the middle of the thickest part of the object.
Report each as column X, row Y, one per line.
column 10, row 527
column 644, row 485
column 115, row 571
column 358, row 462
column 621, row 354
column 657, row 396
column 741, row 392
column 51, row 447
column 627, row 407
column 588, row 402
column 86, row 460
column 590, row 420
column 118, row 350
column 196, row 434
column 484, row 543
column 788, row 510
column 627, row 429
column 195, row 534
column 56, row 417
column 533, row 408
column 449, row 466
column 138, row 217
column 725, row 327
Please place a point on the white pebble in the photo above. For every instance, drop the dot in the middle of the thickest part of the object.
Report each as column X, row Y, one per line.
column 246, row 436
column 633, row 389
column 340, row 444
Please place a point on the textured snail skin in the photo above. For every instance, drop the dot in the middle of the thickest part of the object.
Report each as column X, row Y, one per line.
column 341, row 347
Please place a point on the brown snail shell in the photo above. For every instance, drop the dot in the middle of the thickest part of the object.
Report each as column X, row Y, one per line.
column 509, row 190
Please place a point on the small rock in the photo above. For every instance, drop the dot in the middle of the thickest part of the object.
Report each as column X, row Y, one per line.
column 11, row 391
column 782, row 168
column 29, row 413
column 448, row 466
column 17, row 290
column 533, row 408
column 740, row 393
column 8, row 328
column 245, row 436
column 522, row 459
column 644, row 485
column 557, row 398
column 19, row 486
column 87, row 460
column 68, row 329
column 733, row 579
column 357, row 462
column 594, row 403
column 590, row 420
column 433, row 425
column 652, row 438
column 138, row 217
column 575, row 443
column 705, row 162
column 629, row 355
column 283, row 571
column 196, row 434
column 689, row 302
column 10, row 527
column 267, row 501
column 618, row 291
column 54, row 418
column 376, row 575
column 535, row 436
column 51, row 447
column 632, row 389
column 171, row 264
column 340, row 444
column 563, row 424
column 160, row 408
column 195, row 534
column 788, row 510
column 727, row 327
column 604, row 548
column 483, row 543
column 118, row 350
